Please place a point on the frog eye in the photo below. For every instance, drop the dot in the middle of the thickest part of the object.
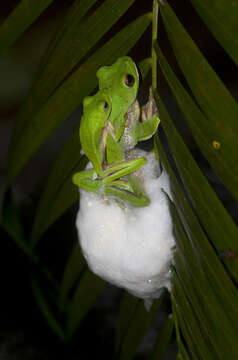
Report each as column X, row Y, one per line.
column 129, row 80
column 105, row 106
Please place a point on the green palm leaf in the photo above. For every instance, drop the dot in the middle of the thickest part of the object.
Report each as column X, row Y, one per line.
column 133, row 322
column 26, row 12
column 221, row 18
column 222, row 234
column 203, row 291
column 85, row 295
column 200, row 277
column 74, row 267
column 46, row 310
column 210, row 93
column 202, row 129
column 163, row 339
column 59, row 193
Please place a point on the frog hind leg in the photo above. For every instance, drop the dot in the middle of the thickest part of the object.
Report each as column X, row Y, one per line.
column 128, row 191
column 132, row 198
column 86, row 180
column 89, row 181
column 147, row 129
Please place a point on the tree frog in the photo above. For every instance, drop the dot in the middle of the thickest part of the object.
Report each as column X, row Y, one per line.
column 94, row 128
column 122, row 79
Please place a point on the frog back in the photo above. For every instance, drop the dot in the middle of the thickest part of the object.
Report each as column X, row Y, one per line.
column 96, row 113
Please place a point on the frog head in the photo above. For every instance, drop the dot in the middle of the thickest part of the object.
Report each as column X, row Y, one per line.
column 122, row 81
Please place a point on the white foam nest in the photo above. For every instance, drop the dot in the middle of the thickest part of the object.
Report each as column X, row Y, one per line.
column 130, row 248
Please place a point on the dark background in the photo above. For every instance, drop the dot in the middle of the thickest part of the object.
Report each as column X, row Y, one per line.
column 24, row 333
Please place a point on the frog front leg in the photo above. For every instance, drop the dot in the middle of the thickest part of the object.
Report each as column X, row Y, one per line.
column 87, row 180
column 150, row 120
column 141, row 124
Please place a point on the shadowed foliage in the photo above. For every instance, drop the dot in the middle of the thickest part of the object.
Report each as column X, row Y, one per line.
column 204, row 275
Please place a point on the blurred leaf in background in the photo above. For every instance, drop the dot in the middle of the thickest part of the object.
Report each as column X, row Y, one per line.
column 204, row 291
column 83, row 36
